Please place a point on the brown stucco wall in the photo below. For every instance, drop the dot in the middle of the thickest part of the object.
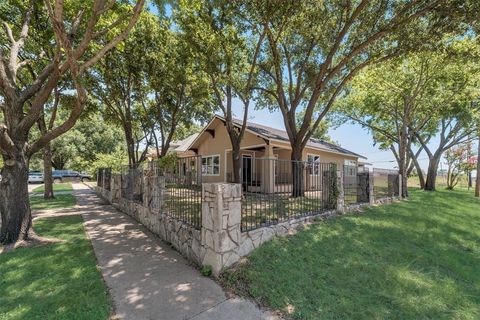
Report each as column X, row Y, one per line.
column 207, row 145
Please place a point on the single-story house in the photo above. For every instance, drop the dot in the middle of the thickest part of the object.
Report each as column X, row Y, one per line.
column 259, row 144
column 181, row 148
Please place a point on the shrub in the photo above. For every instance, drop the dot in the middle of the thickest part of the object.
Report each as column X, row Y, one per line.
column 206, row 271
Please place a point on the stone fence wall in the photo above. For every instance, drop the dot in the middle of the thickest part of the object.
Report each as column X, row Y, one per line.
column 184, row 238
column 220, row 242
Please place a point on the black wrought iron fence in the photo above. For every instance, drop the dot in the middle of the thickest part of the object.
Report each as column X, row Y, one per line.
column 356, row 185
column 279, row 190
column 183, row 190
column 385, row 183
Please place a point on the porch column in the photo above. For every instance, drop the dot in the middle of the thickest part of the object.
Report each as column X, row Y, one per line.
column 268, row 176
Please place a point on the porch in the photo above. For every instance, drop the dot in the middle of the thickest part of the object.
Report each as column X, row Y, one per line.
column 269, row 169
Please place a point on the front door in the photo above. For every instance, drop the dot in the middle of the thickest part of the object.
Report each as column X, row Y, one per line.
column 246, row 171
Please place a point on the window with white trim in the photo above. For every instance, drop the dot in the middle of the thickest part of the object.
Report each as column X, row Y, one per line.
column 313, row 164
column 211, row 165
column 350, row 167
column 352, row 163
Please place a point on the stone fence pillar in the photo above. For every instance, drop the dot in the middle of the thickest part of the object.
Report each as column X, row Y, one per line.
column 371, row 190
column 116, row 187
column 341, row 193
column 221, row 222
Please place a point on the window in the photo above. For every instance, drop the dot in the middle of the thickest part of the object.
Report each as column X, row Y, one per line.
column 352, row 163
column 313, row 164
column 350, row 167
column 211, row 165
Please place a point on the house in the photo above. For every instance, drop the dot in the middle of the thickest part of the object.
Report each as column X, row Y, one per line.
column 181, row 148
column 266, row 156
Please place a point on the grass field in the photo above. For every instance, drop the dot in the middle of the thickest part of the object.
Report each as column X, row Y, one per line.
column 56, row 187
column 418, row 259
column 60, row 201
column 57, row 281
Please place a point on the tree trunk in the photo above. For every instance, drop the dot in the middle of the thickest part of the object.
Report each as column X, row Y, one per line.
column 477, row 184
column 236, row 165
column 14, row 202
column 431, row 183
column 402, row 163
column 421, row 178
column 47, row 172
column 298, row 189
column 130, row 143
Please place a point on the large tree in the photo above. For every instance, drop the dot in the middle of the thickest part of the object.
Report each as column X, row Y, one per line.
column 229, row 47
column 392, row 100
column 75, row 32
column 315, row 48
column 120, row 85
column 412, row 99
column 180, row 87
column 456, row 83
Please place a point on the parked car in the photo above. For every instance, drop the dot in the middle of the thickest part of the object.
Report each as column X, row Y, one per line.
column 69, row 175
column 35, row 177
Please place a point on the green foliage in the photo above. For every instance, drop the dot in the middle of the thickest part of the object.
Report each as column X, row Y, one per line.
column 416, row 91
column 115, row 160
column 457, row 160
column 168, row 162
column 56, row 281
column 179, row 84
column 206, row 271
column 416, row 259
column 79, row 148
column 120, row 84
column 314, row 48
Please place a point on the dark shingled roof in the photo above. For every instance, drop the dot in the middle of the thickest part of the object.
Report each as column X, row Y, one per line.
column 276, row 134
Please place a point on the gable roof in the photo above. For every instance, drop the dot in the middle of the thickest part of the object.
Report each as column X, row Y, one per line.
column 184, row 145
column 270, row 133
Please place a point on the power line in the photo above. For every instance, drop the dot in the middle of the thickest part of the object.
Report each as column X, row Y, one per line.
column 384, row 161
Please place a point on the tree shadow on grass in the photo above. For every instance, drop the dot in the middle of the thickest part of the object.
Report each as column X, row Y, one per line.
column 415, row 259
column 57, row 281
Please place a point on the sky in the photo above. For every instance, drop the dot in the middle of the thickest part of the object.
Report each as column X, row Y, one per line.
column 350, row 136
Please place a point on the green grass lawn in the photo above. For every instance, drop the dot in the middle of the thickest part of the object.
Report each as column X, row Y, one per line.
column 57, row 281
column 56, row 187
column 418, row 259
column 60, row 201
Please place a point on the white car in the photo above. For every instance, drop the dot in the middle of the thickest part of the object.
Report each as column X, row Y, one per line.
column 35, row 177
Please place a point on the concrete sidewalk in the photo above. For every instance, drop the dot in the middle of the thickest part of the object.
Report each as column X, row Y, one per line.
column 147, row 279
